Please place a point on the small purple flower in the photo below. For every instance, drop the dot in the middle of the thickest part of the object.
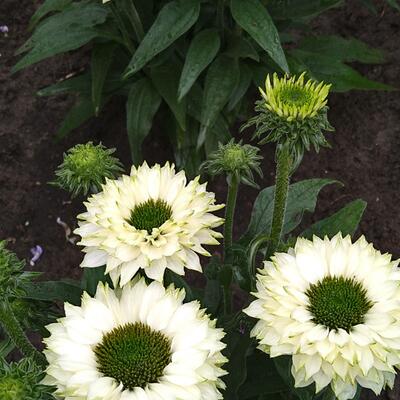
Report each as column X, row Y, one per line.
column 4, row 29
column 36, row 252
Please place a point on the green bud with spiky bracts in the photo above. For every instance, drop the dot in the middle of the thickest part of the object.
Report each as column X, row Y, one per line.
column 22, row 381
column 12, row 275
column 85, row 168
column 238, row 159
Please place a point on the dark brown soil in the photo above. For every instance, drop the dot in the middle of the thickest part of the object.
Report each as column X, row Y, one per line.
column 364, row 155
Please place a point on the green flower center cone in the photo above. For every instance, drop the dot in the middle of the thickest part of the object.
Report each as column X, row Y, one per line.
column 338, row 302
column 150, row 214
column 133, row 354
column 295, row 96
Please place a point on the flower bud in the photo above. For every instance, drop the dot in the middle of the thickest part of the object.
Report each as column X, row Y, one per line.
column 292, row 113
column 22, row 381
column 235, row 158
column 85, row 168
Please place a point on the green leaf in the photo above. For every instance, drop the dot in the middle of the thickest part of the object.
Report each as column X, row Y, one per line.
column 345, row 220
column 237, row 349
column 6, row 346
column 298, row 9
column 79, row 84
column 221, row 80
column 65, row 291
column 92, row 277
column 174, row 19
column 262, row 377
column 302, row 197
column 102, row 55
column 212, row 296
column 283, row 365
column 394, row 4
column 180, row 282
column 62, row 32
column 240, row 47
column 370, row 5
column 242, row 86
column 47, row 7
column 330, row 70
column 141, row 106
column 202, row 50
column 166, row 79
column 347, row 50
column 254, row 18
column 76, row 116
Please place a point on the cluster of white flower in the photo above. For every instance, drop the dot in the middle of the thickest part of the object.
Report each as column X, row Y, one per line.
column 332, row 305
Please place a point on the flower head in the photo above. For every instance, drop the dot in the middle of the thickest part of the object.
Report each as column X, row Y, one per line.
column 152, row 219
column 147, row 344
column 22, row 380
column 235, row 158
column 292, row 113
column 290, row 98
column 85, row 168
column 333, row 305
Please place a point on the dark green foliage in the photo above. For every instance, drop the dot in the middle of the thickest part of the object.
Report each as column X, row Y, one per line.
column 199, row 58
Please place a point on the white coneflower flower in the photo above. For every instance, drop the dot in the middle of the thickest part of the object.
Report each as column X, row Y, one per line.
column 140, row 342
column 334, row 306
column 151, row 219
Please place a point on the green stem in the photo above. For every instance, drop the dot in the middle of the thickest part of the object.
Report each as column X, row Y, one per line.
column 229, row 214
column 17, row 335
column 283, row 169
column 228, row 234
column 254, row 247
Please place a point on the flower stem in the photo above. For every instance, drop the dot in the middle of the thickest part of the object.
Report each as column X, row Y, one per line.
column 17, row 335
column 229, row 214
column 254, row 247
column 283, row 169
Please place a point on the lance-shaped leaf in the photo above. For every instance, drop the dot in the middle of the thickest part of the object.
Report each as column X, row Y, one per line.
column 174, row 19
column 254, row 18
column 345, row 220
column 66, row 291
column 141, row 106
column 47, row 7
column 166, row 79
column 302, row 197
column 202, row 50
column 298, row 9
column 64, row 31
column 79, row 113
column 101, row 61
column 221, row 81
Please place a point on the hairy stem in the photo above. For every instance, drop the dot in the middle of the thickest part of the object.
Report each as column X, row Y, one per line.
column 283, row 169
column 229, row 215
column 17, row 335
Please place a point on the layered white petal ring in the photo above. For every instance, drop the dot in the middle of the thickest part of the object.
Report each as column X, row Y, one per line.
column 194, row 370
column 111, row 239
column 368, row 353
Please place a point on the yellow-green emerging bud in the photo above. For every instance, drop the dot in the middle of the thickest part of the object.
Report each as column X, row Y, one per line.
column 291, row 98
column 21, row 381
column 85, row 168
column 293, row 114
column 235, row 158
